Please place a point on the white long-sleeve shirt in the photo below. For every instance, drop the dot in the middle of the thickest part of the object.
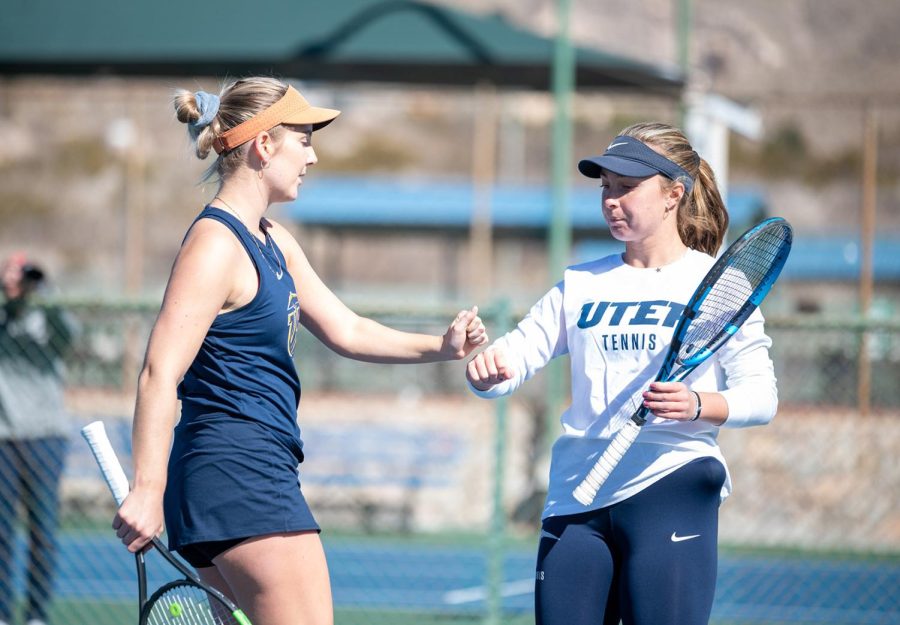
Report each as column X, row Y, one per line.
column 616, row 322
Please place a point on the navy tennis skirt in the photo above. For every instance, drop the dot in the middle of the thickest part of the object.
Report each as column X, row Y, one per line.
column 233, row 478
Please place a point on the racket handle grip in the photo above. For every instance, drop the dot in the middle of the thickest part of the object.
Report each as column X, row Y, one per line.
column 95, row 435
column 587, row 490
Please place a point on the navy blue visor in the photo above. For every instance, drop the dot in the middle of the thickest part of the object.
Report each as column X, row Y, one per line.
column 627, row 156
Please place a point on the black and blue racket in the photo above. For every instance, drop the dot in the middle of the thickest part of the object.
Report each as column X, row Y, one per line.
column 187, row 601
column 734, row 287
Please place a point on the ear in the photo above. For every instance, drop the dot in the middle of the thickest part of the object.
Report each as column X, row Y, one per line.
column 263, row 146
column 676, row 192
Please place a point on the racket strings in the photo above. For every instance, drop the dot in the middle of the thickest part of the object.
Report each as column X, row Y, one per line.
column 726, row 303
column 186, row 604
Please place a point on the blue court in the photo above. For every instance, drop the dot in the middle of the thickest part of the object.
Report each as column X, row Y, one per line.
column 398, row 576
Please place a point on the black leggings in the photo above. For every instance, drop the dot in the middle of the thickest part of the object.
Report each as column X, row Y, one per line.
column 648, row 560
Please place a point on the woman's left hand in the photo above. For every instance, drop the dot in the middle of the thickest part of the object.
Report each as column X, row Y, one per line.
column 671, row 400
column 465, row 333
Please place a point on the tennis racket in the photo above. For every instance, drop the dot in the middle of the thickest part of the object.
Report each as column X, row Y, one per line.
column 186, row 601
column 732, row 289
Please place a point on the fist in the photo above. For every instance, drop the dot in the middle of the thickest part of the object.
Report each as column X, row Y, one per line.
column 488, row 369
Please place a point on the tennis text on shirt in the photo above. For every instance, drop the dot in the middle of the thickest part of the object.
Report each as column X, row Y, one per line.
column 660, row 313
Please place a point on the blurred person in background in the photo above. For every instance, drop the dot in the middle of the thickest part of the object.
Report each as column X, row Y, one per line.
column 34, row 429
column 224, row 342
column 645, row 551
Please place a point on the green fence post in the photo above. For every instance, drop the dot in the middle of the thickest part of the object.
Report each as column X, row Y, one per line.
column 560, row 236
column 503, row 323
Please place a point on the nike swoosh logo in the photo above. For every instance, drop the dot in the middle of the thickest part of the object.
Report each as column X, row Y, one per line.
column 678, row 539
column 612, row 145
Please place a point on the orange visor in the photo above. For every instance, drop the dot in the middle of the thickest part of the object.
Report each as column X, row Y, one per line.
column 292, row 108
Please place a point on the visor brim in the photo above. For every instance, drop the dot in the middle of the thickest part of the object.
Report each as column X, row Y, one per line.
column 594, row 167
column 315, row 116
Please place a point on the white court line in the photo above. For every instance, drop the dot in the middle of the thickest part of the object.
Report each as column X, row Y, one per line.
column 479, row 593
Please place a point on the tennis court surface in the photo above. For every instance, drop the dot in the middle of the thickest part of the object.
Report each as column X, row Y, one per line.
column 444, row 581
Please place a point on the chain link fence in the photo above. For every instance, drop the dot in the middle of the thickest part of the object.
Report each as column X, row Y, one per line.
column 429, row 497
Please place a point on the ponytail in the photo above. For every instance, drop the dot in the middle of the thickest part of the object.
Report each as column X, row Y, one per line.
column 702, row 217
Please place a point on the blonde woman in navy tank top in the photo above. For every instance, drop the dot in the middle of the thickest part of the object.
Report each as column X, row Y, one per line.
column 224, row 345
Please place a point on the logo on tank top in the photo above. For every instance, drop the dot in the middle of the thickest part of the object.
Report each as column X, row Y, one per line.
column 293, row 321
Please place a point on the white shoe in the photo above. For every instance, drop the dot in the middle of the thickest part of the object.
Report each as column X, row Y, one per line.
column 33, row 621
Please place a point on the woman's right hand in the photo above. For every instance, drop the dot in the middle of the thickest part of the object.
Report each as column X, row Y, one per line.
column 139, row 519
column 488, row 369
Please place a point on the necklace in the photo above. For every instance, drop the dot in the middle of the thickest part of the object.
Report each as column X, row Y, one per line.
column 278, row 270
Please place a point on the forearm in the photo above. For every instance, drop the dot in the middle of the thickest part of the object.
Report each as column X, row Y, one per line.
column 750, row 386
column 535, row 341
column 154, row 419
column 713, row 408
column 370, row 341
column 751, row 404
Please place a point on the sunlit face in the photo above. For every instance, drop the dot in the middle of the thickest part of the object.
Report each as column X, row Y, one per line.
column 634, row 208
column 290, row 162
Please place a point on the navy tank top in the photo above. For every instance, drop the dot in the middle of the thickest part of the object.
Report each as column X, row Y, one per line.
column 245, row 366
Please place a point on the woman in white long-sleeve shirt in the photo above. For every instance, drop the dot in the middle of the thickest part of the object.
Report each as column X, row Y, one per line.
column 645, row 551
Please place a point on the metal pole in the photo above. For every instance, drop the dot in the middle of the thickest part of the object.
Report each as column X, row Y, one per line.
column 135, row 197
column 560, row 240
column 683, row 37
column 561, row 152
column 134, row 207
column 867, row 238
column 498, row 517
column 484, row 158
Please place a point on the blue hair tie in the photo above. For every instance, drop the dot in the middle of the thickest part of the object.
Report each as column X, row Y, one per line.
column 208, row 105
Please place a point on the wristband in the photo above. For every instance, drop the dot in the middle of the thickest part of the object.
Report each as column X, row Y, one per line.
column 699, row 406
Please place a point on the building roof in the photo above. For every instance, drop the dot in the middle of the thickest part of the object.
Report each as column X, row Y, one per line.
column 839, row 257
column 426, row 204
column 813, row 258
column 400, row 41
column 395, row 202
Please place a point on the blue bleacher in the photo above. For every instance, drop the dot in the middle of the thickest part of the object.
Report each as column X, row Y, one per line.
column 392, row 202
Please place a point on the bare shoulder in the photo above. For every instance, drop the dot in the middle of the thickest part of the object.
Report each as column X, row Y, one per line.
column 210, row 235
column 209, row 247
